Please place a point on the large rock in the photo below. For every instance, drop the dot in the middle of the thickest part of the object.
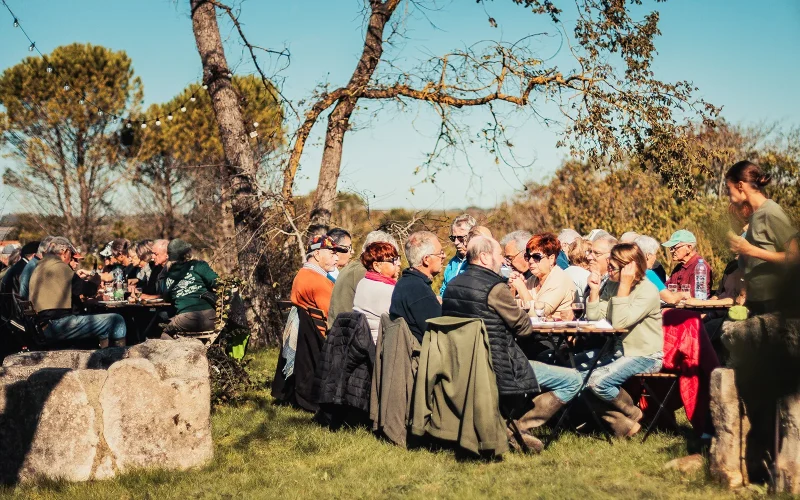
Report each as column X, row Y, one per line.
column 81, row 415
column 788, row 477
column 727, row 460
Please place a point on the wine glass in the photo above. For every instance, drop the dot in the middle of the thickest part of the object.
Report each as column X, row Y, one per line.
column 577, row 311
column 538, row 308
column 686, row 290
column 673, row 287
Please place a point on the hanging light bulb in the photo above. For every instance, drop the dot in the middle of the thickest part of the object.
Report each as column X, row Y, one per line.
column 205, row 87
column 81, row 101
column 169, row 117
column 66, row 87
column 255, row 124
column 128, row 125
column 158, row 123
column 230, row 75
column 192, row 99
column 100, row 112
column 16, row 23
column 31, row 47
column 144, row 125
column 253, row 134
column 49, row 69
column 183, row 109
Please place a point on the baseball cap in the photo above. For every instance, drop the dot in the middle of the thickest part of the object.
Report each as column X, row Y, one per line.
column 680, row 236
column 323, row 242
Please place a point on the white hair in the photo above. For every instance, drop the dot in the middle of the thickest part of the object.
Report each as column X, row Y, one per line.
column 464, row 220
column 607, row 238
column 419, row 245
column 628, row 237
column 378, row 235
column 648, row 245
column 43, row 245
column 567, row 236
column 477, row 246
column 520, row 239
column 597, row 234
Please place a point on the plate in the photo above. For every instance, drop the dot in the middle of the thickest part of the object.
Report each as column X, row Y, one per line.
column 112, row 302
column 152, row 301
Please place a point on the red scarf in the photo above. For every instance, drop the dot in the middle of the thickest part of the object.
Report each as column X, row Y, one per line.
column 372, row 275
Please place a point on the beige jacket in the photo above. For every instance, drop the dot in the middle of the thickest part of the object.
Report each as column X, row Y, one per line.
column 557, row 292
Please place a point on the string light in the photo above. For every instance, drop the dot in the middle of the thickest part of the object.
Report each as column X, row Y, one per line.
column 83, row 100
column 255, row 124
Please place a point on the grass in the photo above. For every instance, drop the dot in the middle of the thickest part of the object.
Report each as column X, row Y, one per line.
column 268, row 451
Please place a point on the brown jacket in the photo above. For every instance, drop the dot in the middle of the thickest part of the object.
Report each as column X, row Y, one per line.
column 51, row 285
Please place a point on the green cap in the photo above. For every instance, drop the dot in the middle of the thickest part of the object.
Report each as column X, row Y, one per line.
column 678, row 237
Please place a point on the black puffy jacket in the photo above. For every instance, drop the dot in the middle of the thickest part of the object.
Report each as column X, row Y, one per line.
column 467, row 296
column 344, row 374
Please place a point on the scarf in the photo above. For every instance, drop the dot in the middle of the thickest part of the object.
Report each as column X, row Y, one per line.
column 372, row 275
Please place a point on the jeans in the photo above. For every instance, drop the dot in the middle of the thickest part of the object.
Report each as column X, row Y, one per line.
column 606, row 380
column 86, row 326
column 564, row 382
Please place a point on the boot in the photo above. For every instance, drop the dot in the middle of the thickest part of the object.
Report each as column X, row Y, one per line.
column 522, row 441
column 103, row 343
column 544, row 407
column 119, row 342
column 621, row 426
column 624, row 403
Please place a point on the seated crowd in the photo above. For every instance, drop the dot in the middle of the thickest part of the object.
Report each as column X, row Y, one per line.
column 511, row 285
column 64, row 296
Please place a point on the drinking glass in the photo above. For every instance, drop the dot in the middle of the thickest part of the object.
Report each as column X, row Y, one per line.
column 685, row 288
column 538, row 308
column 673, row 287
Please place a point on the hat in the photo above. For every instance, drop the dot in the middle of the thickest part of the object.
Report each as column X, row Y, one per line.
column 680, row 236
column 177, row 249
column 106, row 252
column 9, row 249
column 322, row 242
column 29, row 248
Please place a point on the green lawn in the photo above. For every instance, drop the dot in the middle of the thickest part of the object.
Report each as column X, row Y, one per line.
column 266, row 451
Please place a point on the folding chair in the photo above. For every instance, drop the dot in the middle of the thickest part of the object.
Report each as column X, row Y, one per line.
column 320, row 321
column 644, row 377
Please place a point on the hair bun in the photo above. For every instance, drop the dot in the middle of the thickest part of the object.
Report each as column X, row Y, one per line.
column 764, row 180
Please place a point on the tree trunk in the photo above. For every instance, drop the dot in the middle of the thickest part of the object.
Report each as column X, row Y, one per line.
column 239, row 187
column 339, row 119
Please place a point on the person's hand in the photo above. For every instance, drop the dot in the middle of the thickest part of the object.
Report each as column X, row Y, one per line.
column 83, row 273
column 106, row 277
column 739, row 245
column 627, row 274
column 594, row 281
column 518, row 283
column 511, row 277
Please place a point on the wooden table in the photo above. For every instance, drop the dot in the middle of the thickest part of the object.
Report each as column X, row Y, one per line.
column 139, row 317
column 564, row 336
column 697, row 307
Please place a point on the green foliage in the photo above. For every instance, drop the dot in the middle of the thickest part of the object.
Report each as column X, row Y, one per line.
column 262, row 450
column 67, row 152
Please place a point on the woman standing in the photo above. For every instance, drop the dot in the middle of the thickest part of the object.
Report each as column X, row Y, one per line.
column 549, row 283
column 770, row 244
column 374, row 292
column 629, row 301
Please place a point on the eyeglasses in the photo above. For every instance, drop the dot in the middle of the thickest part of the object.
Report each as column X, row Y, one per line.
column 596, row 253
column 612, row 269
column 676, row 248
column 440, row 254
column 347, row 249
column 396, row 260
column 461, row 239
column 537, row 257
column 510, row 258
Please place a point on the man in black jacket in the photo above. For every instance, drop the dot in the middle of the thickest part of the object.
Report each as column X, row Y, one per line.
column 413, row 299
column 480, row 292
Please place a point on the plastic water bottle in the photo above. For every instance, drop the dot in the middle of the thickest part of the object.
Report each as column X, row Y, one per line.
column 700, row 281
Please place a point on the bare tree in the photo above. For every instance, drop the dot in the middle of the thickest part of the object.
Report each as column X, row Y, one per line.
column 606, row 110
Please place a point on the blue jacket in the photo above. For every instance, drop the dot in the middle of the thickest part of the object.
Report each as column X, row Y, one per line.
column 562, row 261
column 455, row 267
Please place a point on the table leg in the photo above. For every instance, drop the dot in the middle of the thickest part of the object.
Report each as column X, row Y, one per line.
column 556, row 430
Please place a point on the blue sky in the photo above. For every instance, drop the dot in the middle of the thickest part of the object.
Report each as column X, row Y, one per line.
column 741, row 54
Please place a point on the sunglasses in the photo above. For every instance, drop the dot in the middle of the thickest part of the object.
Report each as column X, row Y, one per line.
column 612, row 269
column 461, row 239
column 537, row 257
column 396, row 260
column 676, row 248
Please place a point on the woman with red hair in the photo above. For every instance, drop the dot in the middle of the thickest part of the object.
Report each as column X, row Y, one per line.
column 374, row 292
column 549, row 283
